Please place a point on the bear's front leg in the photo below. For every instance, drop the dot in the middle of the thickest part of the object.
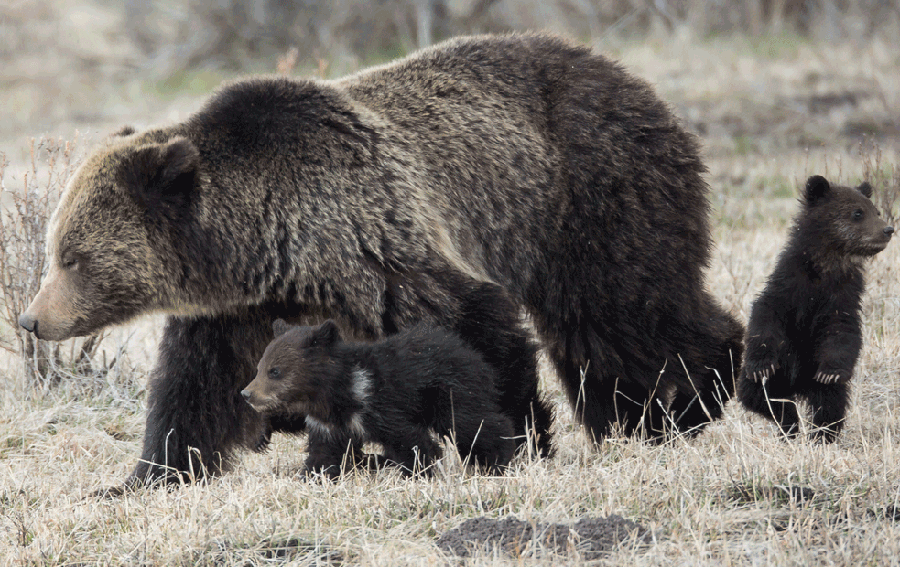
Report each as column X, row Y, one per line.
column 838, row 347
column 196, row 417
column 773, row 398
column 761, row 362
column 332, row 452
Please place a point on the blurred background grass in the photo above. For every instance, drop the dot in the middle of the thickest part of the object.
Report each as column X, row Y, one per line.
column 78, row 64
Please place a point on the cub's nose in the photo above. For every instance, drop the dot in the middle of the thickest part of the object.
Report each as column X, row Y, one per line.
column 28, row 323
column 246, row 394
column 889, row 230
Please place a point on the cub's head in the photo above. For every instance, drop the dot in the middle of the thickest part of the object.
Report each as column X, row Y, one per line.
column 843, row 220
column 113, row 241
column 295, row 370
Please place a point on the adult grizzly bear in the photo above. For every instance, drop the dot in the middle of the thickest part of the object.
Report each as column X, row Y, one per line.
column 805, row 330
column 455, row 187
column 395, row 392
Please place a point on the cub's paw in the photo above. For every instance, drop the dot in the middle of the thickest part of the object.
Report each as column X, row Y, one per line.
column 760, row 370
column 832, row 376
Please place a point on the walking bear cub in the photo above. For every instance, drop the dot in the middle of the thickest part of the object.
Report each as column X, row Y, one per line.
column 804, row 334
column 394, row 392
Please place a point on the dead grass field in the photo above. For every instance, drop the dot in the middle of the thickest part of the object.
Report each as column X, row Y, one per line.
column 771, row 112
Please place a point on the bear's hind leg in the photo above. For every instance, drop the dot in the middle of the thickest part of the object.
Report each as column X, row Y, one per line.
column 486, row 438
column 490, row 322
column 691, row 412
column 716, row 347
column 771, row 402
column 638, row 411
column 828, row 403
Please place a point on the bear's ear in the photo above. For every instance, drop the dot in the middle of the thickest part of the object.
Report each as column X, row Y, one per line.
column 280, row 326
column 163, row 175
column 123, row 131
column 326, row 334
column 866, row 189
column 816, row 188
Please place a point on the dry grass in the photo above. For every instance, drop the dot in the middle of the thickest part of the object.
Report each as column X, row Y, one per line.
column 736, row 495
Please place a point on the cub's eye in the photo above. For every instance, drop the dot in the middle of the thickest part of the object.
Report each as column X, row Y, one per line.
column 857, row 214
column 274, row 374
column 69, row 263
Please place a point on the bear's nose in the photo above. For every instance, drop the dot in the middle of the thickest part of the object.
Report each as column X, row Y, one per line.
column 246, row 394
column 28, row 323
column 889, row 230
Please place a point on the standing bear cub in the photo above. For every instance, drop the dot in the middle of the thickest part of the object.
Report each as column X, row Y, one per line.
column 394, row 392
column 804, row 334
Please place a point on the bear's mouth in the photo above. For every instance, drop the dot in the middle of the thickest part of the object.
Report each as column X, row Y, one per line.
column 260, row 406
column 877, row 246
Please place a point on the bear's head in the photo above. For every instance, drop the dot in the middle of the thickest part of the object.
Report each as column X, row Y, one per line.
column 842, row 222
column 113, row 241
column 296, row 371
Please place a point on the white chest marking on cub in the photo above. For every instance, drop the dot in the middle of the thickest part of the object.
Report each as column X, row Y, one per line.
column 315, row 426
column 326, row 430
column 360, row 385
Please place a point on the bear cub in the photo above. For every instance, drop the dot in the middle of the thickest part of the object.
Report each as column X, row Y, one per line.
column 804, row 335
column 395, row 392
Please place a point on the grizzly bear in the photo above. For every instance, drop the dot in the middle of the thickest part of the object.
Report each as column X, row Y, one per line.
column 804, row 333
column 463, row 186
column 394, row 392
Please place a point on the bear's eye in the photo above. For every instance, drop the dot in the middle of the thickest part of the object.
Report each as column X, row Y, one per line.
column 857, row 214
column 274, row 374
column 70, row 263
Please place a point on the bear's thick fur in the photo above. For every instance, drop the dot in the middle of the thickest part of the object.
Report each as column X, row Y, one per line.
column 804, row 334
column 394, row 392
column 456, row 187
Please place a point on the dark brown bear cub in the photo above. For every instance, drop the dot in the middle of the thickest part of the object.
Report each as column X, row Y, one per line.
column 804, row 334
column 394, row 392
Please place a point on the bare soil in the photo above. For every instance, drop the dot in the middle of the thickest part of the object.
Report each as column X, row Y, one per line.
column 589, row 538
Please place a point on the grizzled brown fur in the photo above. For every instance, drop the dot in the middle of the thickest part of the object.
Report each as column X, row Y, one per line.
column 805, row 332
column 455, row 187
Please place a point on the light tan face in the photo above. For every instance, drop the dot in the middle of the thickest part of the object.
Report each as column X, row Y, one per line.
column 96, row 271
column 54, row 310
column 106, row 261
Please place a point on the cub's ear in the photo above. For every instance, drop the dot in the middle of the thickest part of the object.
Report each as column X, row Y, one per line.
column 280, row 326
column 816, row 188
column 866, row 189
column 163, row 175
column 123, row 131
column 326, row 334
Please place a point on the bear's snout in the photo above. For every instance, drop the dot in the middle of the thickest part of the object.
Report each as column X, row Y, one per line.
column 29, row 323
column 888, row 231
column 246, row 394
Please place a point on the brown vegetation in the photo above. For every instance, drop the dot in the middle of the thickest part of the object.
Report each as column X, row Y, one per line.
column 771, row 109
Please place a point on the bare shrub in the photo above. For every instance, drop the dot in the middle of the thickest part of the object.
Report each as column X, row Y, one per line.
column 884, row 178
column 232, row 33
column 25, row 214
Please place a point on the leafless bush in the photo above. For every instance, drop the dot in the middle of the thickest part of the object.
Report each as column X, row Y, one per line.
column 884, row 177
column 25, row 213
column 235, row 32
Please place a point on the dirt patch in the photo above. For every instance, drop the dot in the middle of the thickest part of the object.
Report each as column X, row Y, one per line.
column 589, row 537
